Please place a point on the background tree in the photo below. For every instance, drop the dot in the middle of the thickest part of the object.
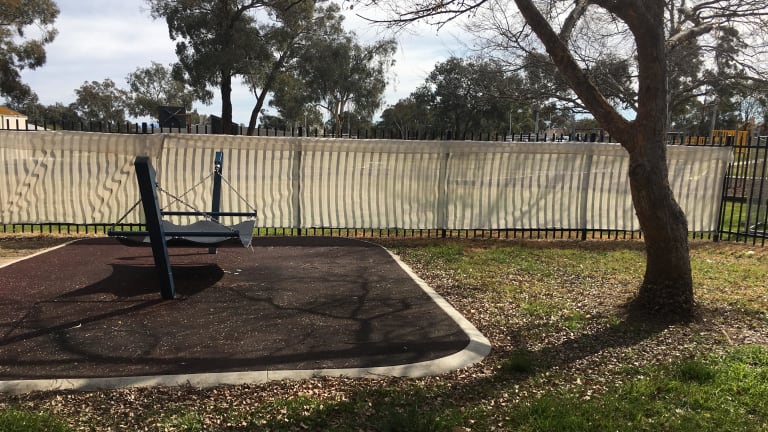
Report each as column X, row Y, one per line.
column 213, row 42
column 19, row 51
column 100, row 102
column 60, row 114
column 477, row 96
column 410, row 117
column 294, row 105
column 155, row 86
column 341, row 75
column 575, row 34
column 282, row 42
column 469, row 96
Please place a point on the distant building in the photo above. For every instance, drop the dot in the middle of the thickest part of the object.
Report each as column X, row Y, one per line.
column 10, row 119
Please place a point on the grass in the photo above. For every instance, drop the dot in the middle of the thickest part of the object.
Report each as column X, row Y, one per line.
column 13, row 420
column 737, row 216
column 714, row 393
column 564, row 356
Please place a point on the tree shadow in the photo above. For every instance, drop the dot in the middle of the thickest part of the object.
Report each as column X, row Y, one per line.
column 443, row 407
column 129, row 281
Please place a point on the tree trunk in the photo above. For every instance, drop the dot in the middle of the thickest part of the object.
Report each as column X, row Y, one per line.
column 255, row 113
column 266, row 88
column 226, row 102
column 667, row 287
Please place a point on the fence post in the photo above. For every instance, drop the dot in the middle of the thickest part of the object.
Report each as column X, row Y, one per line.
column 585, row 181
column 296, row 187
column 442, row 194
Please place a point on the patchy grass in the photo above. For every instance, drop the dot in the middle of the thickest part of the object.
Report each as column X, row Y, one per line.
column 564, row 357
column 716, row 392
column 13, row 420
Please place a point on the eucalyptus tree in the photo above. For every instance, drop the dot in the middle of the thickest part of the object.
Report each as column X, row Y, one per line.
column 154, row 86
column 576, row 34
column 294, row 105
column 100, row 101
column 25, row 28
column 471, row 95
column 281, row 42
column 215, row 42
column 339, row 74
column 412, row 115
column 51, row 116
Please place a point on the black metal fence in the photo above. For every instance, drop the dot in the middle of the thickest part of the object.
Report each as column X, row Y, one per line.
column 365, row 133
column 743, row 207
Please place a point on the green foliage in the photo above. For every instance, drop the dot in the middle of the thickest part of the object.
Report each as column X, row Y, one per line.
column 280, row 44
column 480, row 96
column 410, row 117
column 19, row 51
column 100, row 101
column 214, row 42
column 154, row 86
column 471, row 95
column 519, row 362
column 354, row 81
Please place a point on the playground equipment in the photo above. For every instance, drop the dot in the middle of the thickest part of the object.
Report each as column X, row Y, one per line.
column 161, row 234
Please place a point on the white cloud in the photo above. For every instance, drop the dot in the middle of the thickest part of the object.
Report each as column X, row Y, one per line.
column 99, row 40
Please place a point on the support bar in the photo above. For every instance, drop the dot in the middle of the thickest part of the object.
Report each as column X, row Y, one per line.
column 231, row 234
column 218, row 163
column 146, row 178
column 202, row 213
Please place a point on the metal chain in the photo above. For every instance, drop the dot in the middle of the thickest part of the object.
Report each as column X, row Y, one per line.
column 238, row 194
column 179, row 199
column 187, row 191
column 125, row 215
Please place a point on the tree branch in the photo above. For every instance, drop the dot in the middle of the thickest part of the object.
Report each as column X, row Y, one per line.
column 576, row 77
column 573, row 19
column 688, row 35
column 444, row 11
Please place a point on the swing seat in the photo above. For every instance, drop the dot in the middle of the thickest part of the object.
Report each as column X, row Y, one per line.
column 204, row 233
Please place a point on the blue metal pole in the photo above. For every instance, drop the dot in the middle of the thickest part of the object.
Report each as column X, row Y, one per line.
column 218, row 163
column 145, row 176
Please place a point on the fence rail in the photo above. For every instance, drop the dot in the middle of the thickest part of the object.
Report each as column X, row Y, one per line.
column 424, row 134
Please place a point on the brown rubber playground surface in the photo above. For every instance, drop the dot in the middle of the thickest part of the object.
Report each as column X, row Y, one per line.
column 92, row 309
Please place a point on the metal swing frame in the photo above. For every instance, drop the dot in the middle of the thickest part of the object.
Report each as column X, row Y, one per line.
column 146, row 177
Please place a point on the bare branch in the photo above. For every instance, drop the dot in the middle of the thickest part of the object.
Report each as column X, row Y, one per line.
column 571, row 71
column 438, row 12
column 689, row 35
column 573, row 18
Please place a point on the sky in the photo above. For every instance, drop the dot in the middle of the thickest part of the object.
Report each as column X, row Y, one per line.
column 99, row 40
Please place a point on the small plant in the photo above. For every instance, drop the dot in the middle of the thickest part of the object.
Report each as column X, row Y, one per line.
column 538, row 309
column 519, row 362
column 413, row 419
column 695, row 371
column 575, row 320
